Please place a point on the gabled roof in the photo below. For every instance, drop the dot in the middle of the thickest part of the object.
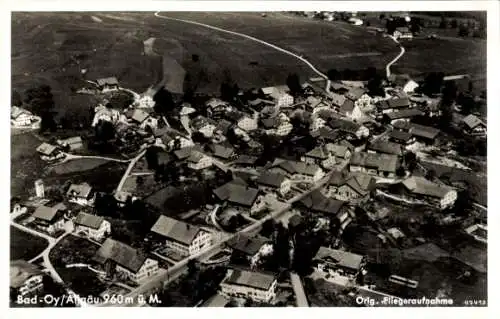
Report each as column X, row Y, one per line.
column 355, row 93
column 422, row 186
column 237, row 194
column 271, row 179
column 89, row 220
column 341, row 258
column 317, row 202
column 293, row 167
column 344, row 125
column 405, row 113
column 395, row 103
column 327, row 134
column 337, row 149
column 175, row 230
column 184, row 152
column 472, row 121
column 221, row 151
column 347, row 106
column 245, row 159
column 361, row 183
column 46, row 149
column 139, row 115
column 382, row 162
column 20, row 271
column 223, row 126
column 124, row 255
column 46, row 213
column 109, row 81
column 337, row 99
column 400, row 135
column 248, row 245
column 251, row 279
column 402, row 125
column 424, row 131
column 385, row 147
column 403, row 29
column 270, row 122
column 195, row 157
column 16, row 111
column 319, row 152
column 79, row 190
column 72, row 140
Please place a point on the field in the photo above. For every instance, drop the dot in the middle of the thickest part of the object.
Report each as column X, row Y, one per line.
column 25, row 246
column 77, row 165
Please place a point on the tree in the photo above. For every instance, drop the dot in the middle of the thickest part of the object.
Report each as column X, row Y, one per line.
column 121, row 100
column 463, row 31
column 104, row 131
column 400, row 171
column 16, row 98
column 192, row 266
column 433, row 83
column 164, row 101
column 454, row 23
column 450, row 91
column 333, row 75
column 374, row 86
column 382, row 16
column 443, row 24
column 390, row 26
column 293, row 83
column 410, row 160
column 152, row 157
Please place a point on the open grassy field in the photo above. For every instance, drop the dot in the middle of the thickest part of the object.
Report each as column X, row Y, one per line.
column 25, row 246
column 26, row 165
column 77, row 165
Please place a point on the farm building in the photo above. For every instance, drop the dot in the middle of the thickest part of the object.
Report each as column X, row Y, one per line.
column 92, row 226
column 258, row 286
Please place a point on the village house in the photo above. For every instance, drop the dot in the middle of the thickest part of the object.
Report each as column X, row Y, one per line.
column 279, row 95
column 260, row 104
column 346, row 186
column 92, row 226
column 383, row 165
column 338, row 262
column 257, row 286
column 269, row 181
column 198, row 161
column 421, row 188
column 216, row 108
column 316, row 124
column 433, row 108
column 317, row 203
column 321, row 156
column 107, row 84
column 203, row 125
column 403, row 33
column 337, row 100
column 181, row 237
column 108, row 114
column 424, row 134
column 402, row 115
column 81, row 194
column 26, row 279
column 473, row 125
column 401, row 137
column 478, row 232
column 21, row 117
column 185, row 152
column 403, row 82
column 247, row 123
column 49, row 152
column 223, row 152
column 241, row 196
column 279, row 125
column 251, row 249
column 349, row 127
column 49, row 219
column 73, row 143
column 340, row 152
column 243, row 160
column 297, row 170
column 393, row 105
column 143, row 119
column 384, row 147
column 127, row 262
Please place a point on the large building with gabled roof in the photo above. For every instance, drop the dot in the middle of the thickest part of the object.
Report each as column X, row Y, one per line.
column 258, row 286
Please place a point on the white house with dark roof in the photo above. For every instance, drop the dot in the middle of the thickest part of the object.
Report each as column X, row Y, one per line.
column 49, row 219
column 258, row 286
column 107, row 84
column 473, row 125
column 221, row 151
column 297, row 170
column 203, row 125
column 131, row 263
column 74, row 143
column 422, row 188
column 239, row 194
column 274, row 182
column 92, row 226
column 49, row 152
column 321, row 156
column 81, row 194
column 184, row 238
column 338, row 262
column 20, row 117
column 339, row 151
column 347, row 186
column 25, row 279
column 143, row 119
column 279, row 95
column 393, row 104
column 198, row 161
column 384, row 165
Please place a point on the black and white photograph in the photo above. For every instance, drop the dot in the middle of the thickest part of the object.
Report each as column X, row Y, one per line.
column 262, row 158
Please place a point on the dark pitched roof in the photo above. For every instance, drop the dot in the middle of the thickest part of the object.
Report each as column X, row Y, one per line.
column 79, row 190
column 402, row 125
column 20, row 271
column 355, row 93
column 251, row 279
column 175, row 230
column 237, row 194
column 397, row 103
column 385, row 147
column 422, row 186
column 246, row 159
column 124, row 255
column 46, row 149
column 184, row 152
column 223, row 126
column 382, row 162
column 424, row 131
column 400, row 135
column 271, row 179
column 316, row 201
column 472, row 121
column 89, row 220
column 319, row 152
column 328, row 134
column 248, row 245
column 221, row 151
column 293, row 167
column 344, row 125
column 347, row 106
column 337, row 149
column 406, row 113
column 341, row 258
column 109, row 81
column 47, row 213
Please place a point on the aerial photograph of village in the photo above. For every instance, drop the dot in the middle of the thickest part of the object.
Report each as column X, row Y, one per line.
column 248, row 159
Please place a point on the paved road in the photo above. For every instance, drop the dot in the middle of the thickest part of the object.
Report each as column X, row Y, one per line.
column 300, row 295
column 388, row 67
column 309, row 64
column 129, row 169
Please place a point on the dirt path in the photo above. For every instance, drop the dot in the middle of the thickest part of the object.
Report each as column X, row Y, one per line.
column 388, row 67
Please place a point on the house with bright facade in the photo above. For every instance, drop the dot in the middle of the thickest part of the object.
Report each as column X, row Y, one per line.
column 25, row 279
column 92, row 226
column 257, row 286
